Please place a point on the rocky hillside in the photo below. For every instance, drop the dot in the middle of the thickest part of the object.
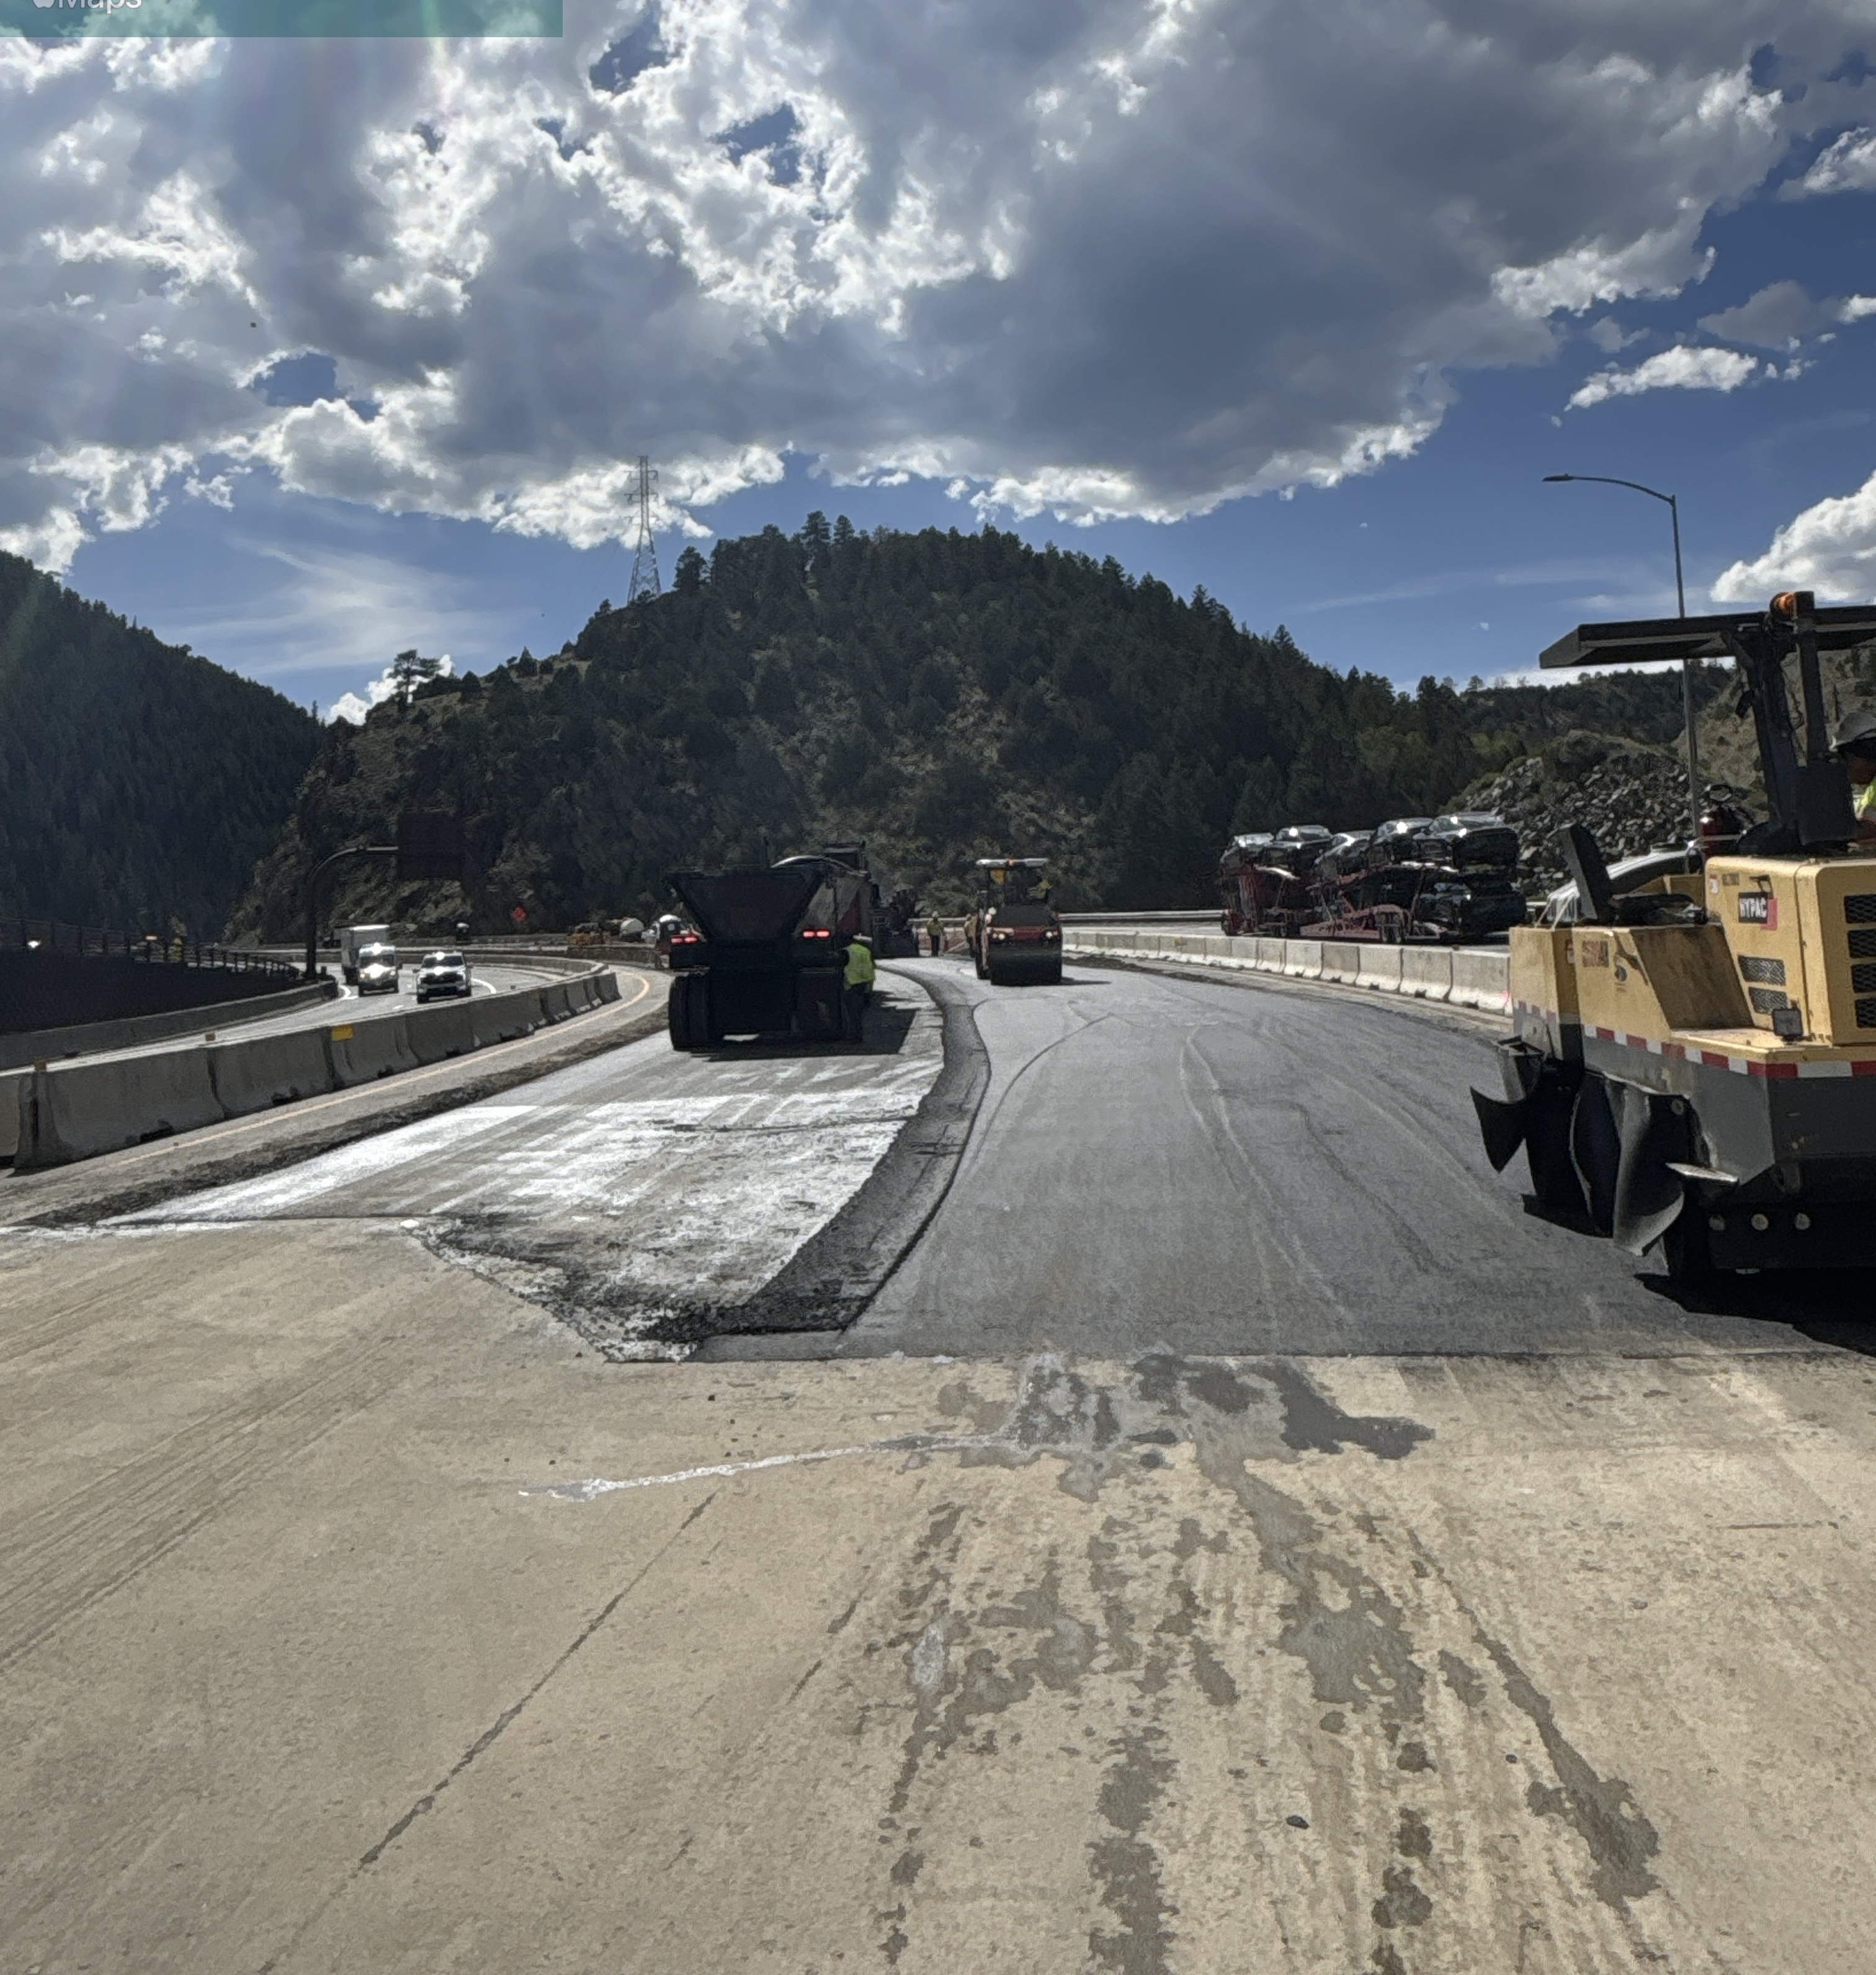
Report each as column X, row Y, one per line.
column 1633, row 797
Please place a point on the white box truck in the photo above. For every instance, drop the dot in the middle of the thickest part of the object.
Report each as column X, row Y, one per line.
column 353, row 940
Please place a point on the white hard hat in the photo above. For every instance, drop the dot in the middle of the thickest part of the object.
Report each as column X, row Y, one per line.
column 1857, row 730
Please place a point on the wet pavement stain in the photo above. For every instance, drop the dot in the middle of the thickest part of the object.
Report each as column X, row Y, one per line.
column 1464, row 1683
column 1340, row 1622
column 1603, row 1811
column 1213, row 1677
column 971, row 1663
column 1401, row 1904
column 1312, row 1422
column 1126, row 1867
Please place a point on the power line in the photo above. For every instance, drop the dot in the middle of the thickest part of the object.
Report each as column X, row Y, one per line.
column 645, row 556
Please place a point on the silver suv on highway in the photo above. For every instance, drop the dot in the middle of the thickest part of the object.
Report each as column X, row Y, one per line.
column 441, row 973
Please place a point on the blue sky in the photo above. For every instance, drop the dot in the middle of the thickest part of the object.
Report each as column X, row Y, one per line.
column 1208, row 261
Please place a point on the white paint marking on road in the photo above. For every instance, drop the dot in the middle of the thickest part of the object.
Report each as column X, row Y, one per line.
column 589, row 1491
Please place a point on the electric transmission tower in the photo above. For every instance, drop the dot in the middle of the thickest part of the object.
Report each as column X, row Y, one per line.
column 645, row 556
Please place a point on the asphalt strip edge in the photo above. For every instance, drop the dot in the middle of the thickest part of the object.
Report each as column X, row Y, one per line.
column 826, row 1285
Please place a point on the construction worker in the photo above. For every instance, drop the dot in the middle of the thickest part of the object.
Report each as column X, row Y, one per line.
column 857, row 984
column 934, row 933
column 1856, row 745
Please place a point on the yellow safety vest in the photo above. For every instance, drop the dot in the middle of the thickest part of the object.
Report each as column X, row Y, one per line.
column 859, row 966
column 1866, row 801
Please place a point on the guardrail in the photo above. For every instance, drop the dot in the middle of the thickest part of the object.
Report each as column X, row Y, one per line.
column 65, row 1112
column 1207, row 915
column 1467, row 977
column 82, row 942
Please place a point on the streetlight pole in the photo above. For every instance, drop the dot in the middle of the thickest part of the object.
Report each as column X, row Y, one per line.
column 1681, row 603
column 313, row 879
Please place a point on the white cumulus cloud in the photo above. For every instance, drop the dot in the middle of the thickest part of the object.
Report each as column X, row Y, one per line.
column 1683, row 368
column 1098, row 257
column 350, row 706
column 1830, row 547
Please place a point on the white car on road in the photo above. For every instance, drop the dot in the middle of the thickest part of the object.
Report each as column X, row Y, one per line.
column 441, row 973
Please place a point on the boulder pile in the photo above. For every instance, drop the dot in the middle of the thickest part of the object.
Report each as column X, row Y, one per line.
column 1633, row 797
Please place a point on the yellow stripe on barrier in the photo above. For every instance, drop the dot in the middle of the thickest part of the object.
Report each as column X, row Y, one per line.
column 341, row 1034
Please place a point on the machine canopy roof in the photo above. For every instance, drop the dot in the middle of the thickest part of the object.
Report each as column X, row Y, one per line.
column 1646, row 640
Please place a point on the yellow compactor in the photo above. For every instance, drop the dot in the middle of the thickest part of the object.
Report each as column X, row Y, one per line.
column 1693, row 1063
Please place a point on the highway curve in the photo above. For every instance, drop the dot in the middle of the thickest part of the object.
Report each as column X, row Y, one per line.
column 1160, row 1161
column 487, row 978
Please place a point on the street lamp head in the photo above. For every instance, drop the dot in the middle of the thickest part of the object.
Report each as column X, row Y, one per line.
column 1549, row 476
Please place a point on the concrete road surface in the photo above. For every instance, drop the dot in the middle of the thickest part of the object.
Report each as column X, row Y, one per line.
column 356, row 1614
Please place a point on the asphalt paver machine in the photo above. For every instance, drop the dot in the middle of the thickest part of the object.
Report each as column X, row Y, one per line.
column 1693, row 1062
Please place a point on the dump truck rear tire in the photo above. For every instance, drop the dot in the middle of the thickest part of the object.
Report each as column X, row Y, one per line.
column 678, row 1013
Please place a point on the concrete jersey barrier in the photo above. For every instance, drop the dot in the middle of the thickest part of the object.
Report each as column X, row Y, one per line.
column 77, row 1110
column 362, row 1052
column 267, row 1070
column 1470, row 977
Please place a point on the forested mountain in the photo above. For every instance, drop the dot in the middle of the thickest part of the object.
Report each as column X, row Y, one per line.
column 943, row 695
column 139, row 784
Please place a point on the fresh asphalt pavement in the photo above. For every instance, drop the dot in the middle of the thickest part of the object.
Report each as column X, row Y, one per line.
column 1160, row 1161
column 1156, row 1162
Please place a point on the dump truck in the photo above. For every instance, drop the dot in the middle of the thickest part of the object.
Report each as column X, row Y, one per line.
column 1015, row 934
column 765, row 952
column 1693, row 1066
